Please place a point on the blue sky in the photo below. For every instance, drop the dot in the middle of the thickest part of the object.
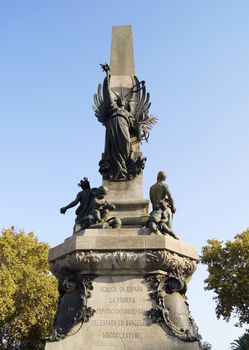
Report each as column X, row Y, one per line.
column 194, row 57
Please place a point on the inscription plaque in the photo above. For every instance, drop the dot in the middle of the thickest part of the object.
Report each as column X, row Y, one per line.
column 120, row 308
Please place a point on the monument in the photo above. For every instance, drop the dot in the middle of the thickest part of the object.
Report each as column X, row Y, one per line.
column 123, row 273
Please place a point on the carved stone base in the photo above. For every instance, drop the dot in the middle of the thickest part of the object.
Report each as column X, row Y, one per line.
column 120, row 320
column 123, row 289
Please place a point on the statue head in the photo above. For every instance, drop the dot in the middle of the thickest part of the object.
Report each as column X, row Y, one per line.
column 156, row 205
column 160, row 205
column 116, row 222
column 161, row 176
column 120, row 101
column 102, row 191
column 84, row 184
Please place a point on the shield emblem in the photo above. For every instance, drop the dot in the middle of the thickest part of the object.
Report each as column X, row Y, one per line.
column 177, row 317
column 69, row 312
column 72, row 307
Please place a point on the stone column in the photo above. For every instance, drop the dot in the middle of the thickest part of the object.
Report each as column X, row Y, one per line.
column 126, row 195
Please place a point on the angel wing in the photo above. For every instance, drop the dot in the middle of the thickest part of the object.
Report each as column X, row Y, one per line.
column 139, row 107
column 99, row 105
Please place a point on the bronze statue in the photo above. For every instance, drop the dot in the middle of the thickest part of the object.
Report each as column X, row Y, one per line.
column 159, row 220
column 93, row 207
column 126, row 118
column 101, row 206
column 84, row 197
column 163, row 207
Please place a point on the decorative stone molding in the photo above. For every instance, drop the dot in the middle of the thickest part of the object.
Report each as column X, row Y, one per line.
column 172, row 311
column 131, row 262
column 172, row 262
column 74, row 290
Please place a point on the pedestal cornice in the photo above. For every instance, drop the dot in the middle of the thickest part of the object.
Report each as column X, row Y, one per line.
column 128, row 251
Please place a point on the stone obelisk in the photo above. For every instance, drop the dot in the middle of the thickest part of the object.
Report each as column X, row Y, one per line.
column 123, row 288
column 122, row 69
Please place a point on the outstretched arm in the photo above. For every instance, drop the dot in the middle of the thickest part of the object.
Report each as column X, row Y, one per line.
column 108, row 99
column 70, row 205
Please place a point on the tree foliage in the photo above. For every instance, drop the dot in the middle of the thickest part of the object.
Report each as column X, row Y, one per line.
column 28, row 291
column 242, row 343
column 228, row 267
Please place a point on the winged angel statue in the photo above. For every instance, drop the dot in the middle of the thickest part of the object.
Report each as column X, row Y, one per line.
column 125, row 114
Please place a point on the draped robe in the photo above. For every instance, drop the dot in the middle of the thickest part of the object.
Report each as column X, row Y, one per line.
column 118, row 141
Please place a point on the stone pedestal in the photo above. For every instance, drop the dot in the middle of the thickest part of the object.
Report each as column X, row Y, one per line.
column 132, row 301
column 127, row 196
column 119, row 321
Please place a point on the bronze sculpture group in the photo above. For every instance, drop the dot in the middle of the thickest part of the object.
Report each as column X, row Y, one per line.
column 161, row 217
column 95, row 209
column 125, row 114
